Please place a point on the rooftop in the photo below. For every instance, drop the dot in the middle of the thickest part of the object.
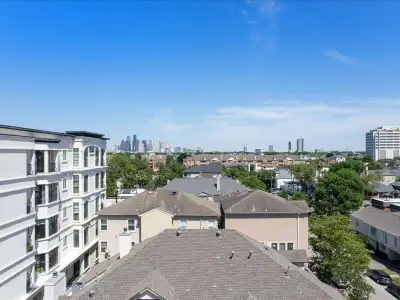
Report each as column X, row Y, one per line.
column 206, row 265
column 213, row 168
column 261, row 202
column 378, row 218
column 170, row 201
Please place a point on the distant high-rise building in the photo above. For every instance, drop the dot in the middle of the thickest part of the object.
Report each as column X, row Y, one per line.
column 128, row 144
column 177, row 149
column 122, row 145
column 137, row 145
column 245, row 149
column 140, row 147
column 157, row 145
column 257, row 151
column 383, row 142
column 300, row 145
column 134, row 143
column 150, row 145
column 271, row 148
column 290, row 147
column 144, row 146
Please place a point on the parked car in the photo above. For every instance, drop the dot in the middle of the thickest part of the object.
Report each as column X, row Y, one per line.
column 394, row 289
column 380, row 276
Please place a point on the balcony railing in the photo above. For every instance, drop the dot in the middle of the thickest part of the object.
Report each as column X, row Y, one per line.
column 30, row 170
column 40, row 167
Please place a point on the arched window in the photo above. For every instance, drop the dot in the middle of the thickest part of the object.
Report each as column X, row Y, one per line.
column 86, row 157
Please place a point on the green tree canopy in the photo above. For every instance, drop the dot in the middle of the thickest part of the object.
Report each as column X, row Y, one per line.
column 353, row 164
column 262, row 180
column 340, row 256
column 300, row 196
column 338, row 193
column 305, row 173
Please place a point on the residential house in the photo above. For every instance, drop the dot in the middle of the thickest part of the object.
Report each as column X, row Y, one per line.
column 211, row 170
column 155, row 160
column 208, row 188
column 149, row 213
column 382, row 228
column 268, row 218
column 387, row 176
column 202, row 264
column 281, row 177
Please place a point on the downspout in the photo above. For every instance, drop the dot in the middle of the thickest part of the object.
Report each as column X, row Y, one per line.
column 298, row 231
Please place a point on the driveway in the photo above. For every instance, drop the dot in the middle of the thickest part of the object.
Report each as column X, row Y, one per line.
column 380, row 291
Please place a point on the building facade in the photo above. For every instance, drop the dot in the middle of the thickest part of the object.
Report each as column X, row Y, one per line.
column 300, row 145
column 383, row 142
column 51, row 186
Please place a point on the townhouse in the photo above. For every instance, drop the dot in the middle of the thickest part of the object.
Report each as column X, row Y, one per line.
column 149, row 213
column 267, row 218
column 51, row 186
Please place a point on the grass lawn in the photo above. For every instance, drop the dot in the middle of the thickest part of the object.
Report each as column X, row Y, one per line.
column 390, row 272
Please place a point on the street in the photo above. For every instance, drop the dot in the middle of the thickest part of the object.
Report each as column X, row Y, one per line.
column 380, row 291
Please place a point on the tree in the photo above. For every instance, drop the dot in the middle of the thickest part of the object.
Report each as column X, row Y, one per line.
column 339, row 192
column 340, row 256
column 306, row 174
column 181, row 157
column 267, row 177
column 283, row 194
column 300, row 196
column 370, row 181
column 353, row 164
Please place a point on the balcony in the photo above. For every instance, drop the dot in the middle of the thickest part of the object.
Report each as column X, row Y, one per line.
column 30, row 170
column 52, row 167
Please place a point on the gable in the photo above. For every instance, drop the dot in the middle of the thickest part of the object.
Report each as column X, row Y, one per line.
column 147, row 294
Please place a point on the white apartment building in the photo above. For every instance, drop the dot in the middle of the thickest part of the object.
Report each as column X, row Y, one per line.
column 51, row 186
column 383, row 142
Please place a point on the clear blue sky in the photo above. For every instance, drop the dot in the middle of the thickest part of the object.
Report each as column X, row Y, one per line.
column 219, row 74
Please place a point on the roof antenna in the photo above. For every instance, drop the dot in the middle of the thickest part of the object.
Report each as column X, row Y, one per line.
column 251, row 252
column 178, row 232
column 287, row 272
column 233, row 252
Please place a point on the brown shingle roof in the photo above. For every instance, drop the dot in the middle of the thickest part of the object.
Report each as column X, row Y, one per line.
column 258, row 202
column 197, row 265
column 172, row 202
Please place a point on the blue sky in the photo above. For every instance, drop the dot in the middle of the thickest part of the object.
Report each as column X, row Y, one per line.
column 218, row 74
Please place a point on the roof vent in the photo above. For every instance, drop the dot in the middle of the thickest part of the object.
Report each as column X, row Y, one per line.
column 251, row 252
column 125, row 229
column 287, row 272
column 253, row 208
column 174, row 193
column 233, row 252
column 218, row 233
column 91, row 294
column 178, row 232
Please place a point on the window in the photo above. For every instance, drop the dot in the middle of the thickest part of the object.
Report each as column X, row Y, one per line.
column 183, row 224
column 97, row 252
column 102, row 157
column 64, row 155
column 131, row 225
column 75, row 157
column 91, row 149
column 97, row 157
column 85, row 183
column 96, row 204
column 53, row 225
column 373, row 230
column 97, row 180
column 86, row 261
column 85, row 236
column 282, row 246
column 290, row 246
column 76, row 184
column 64, row 212
column 103, row 247
column 97, row 228
column 86, row 210
column 76, row 211
column 274, row 246
column 385, row 236
column 65, row 241
column 40, row 266
column 53, row 188
column 357, row 223
column 53, row 257
column 86, row 157
column 40, row 229
column 102, row 180
column 103, row 224
column 40, row 194
column 64, row 183
column 76, row 238
column 212, row 224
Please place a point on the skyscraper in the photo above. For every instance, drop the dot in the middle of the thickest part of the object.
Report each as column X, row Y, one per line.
column 150, row 145
column 271, row 148
column 300, row 145
column 128, row 144
column 134, row 141
column 383, row 142
column 157, row 146
column 144, row 146
column 290, row 147
column 245, row 149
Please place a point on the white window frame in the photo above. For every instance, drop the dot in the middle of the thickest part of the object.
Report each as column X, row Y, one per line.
column 213, row 224
column 183, row 224
column 65, row 213
column 127, row 225
column 64, row 155
column 281, row 242
column 101, row 225
column 64, row 184
column 105, row 249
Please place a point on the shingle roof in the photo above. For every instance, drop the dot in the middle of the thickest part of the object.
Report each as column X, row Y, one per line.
column 213, row 168
column 383, row 188
column 295, row 256
column 385, row 221
column 171, row 201
column 205, row 185
column 199, row 265
column 258, row 202
column 284, row 174
column 194, row 170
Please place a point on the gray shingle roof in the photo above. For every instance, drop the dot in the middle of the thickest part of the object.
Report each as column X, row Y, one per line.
column 295, row 256
column 258, row 202
column 171, row 201
column 383, row 188
column 212, row 168
column 284, row 174
column 380, row 219
column 205, row 185
column 198, row 266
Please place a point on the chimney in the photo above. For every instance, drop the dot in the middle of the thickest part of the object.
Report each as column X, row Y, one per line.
column 218, row 185
column 125, row 243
